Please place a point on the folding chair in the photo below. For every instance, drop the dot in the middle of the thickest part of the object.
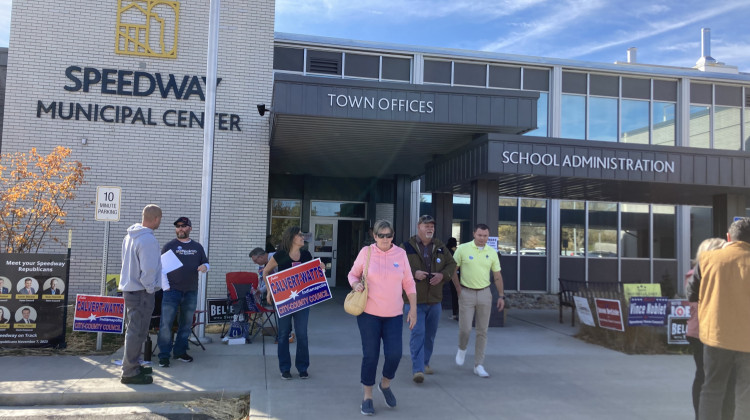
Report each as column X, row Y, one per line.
column 199, row 318
column 239, row 284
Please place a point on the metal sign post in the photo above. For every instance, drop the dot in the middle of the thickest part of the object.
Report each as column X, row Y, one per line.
column 107, row 210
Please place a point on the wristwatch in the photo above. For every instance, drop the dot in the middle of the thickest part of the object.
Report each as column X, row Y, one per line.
column 501, row 297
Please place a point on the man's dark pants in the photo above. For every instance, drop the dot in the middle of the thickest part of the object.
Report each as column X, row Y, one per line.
column 718, row 366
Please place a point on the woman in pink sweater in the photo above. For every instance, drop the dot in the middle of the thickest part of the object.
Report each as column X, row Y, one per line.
column 388, row 274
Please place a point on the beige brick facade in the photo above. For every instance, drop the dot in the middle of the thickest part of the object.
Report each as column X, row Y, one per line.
column 152, row 163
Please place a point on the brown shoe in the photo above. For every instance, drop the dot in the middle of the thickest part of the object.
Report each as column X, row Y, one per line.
column 418, row 377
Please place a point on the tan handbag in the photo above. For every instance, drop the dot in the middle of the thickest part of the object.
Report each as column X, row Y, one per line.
column 356, row 301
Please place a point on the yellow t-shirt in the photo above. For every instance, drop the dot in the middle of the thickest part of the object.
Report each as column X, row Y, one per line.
column 476, row 264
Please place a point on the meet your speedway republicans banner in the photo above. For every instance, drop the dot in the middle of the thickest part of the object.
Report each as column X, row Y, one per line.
column 299, row 287
column 95, row 313
column 33, row 300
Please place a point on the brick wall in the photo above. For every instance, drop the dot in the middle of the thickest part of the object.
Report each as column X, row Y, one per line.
column 153, row 164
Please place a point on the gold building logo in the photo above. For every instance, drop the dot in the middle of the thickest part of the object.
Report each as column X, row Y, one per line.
column 147, row 28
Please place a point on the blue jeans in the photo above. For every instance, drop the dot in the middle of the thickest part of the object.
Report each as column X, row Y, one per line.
column 422, row 339
column 302, row 358
column 172, row 300
column 372, row 329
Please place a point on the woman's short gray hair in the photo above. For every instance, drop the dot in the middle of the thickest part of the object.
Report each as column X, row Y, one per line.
column 380, row 225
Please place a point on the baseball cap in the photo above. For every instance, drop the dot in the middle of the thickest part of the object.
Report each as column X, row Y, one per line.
column 183, row 220
column 426, row 218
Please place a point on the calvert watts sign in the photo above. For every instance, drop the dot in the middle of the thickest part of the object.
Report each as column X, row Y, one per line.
column 590, row 162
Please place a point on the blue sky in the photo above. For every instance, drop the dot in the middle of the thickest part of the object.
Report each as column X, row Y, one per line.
column 665, row 32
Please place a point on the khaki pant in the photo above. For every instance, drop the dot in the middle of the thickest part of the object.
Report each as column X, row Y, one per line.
column 469, row 302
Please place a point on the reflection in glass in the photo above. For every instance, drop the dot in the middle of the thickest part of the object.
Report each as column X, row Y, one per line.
column 665, row 231
column 727, row 135
column 700, row 126
column 602, row 234
column 634, row 122
column 747, row 129
column 541, row 116
column 572, row 228
column 507, row 226
column 278, row 226
column 634, row 233
column 701, row 224
column 337, row 209
column 323, row 237
column 602, row 119
column 288, row 208
column 533, row 227
column 573, row 117
column 664, row 123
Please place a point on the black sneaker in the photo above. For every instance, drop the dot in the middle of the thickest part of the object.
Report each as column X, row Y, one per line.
column 390, row 399
column 184, row 358
column 164, row 362
column 286, row 375
column 367, row 409
column 139, row 379
column 147, row 370
column 304, row 375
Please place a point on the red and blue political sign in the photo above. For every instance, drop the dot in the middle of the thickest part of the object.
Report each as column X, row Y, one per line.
column 99, row 314
column 299, row 287
column 647, row 310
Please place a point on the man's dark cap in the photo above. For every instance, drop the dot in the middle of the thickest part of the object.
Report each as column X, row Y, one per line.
column 184, row 220
column 426, row 218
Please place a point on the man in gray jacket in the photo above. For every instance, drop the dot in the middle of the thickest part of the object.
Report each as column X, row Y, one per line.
column 139, row 278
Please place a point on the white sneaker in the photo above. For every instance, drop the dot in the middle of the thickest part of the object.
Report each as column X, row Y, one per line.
column 460, row 356
column 479, row 371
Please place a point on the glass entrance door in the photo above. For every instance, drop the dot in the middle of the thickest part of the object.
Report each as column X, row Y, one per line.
column 324, row 234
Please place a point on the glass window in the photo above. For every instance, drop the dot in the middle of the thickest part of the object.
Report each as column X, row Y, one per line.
column 634, row 234
column 602, row 234
column 292, row 59
column 533, row 227
column 700, row 127
column 337, row 209
column 664, row 123
column 357, row 65
column 505, row 77
column 573, row 118
column 437, row 71
column 664, row 231
column 747, row 128
column 602, row 119
column 469, row 74
column 727, row 133
column 572, row 228
column 396, row 69
column 507, row 226
column 634, row 122
column 701, row 225
column 284, row 214
column 541, row 116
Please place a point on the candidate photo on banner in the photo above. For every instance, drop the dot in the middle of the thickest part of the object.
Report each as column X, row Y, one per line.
column 299, row 287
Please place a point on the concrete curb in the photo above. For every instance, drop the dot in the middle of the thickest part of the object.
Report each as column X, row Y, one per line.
column 101, row 398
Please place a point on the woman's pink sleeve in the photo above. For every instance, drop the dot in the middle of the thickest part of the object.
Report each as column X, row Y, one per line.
column 408, row 282
column 359, row 266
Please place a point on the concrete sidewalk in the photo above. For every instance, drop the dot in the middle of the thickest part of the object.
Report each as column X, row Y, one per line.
column 538, row 371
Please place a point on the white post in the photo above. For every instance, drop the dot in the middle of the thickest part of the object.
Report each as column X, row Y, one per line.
column 208, row 147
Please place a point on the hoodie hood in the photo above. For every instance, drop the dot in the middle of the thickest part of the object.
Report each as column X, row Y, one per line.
column 137, row 230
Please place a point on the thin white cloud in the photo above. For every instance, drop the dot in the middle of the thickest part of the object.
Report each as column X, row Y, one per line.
column 404, row 9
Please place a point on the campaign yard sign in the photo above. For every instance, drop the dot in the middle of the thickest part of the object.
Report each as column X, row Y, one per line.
column 584, row 311
column 299, row 287
column 104, row 314
column 609, row 314
column 218, row 311
column 651, row 311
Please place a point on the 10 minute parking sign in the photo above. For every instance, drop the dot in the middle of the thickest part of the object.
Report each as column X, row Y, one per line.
column 108, row 204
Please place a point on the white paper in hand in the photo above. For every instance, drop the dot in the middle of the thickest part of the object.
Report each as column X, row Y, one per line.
column 169, row 262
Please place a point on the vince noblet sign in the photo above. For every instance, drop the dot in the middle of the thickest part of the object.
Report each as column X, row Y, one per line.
column 592, row 162
column 383, row 104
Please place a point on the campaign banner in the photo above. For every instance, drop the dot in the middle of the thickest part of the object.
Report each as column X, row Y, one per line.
column 218, row 311
column 640, row 289
column 680, row 308
column 33, row 300
column 649, row 311
column 677, row 330
column 95, row 313
column 584, row 310
column 299, row 287
column 609, row 314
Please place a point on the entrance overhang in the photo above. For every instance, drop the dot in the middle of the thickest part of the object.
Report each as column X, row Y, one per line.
column 357, row 128
column 567, row 169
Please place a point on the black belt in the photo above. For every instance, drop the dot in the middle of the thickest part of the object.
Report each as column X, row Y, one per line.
column 471, row 288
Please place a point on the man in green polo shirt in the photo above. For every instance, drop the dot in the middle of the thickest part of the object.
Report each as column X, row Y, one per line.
column 476, row 260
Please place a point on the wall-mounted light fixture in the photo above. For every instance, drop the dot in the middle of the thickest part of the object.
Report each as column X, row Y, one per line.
column 262, row 109
column 84, row 141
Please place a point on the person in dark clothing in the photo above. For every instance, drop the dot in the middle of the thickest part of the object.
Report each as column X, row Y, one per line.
column 452, row 244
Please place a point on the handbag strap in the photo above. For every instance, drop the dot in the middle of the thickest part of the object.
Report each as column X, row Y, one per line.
column 367, row 265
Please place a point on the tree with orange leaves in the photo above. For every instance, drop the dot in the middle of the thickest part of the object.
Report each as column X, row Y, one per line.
column 34, row 190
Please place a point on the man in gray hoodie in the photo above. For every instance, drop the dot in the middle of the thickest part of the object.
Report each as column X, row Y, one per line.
column 139, row 278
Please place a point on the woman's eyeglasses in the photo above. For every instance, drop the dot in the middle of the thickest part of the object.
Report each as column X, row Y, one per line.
column 385, row 235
